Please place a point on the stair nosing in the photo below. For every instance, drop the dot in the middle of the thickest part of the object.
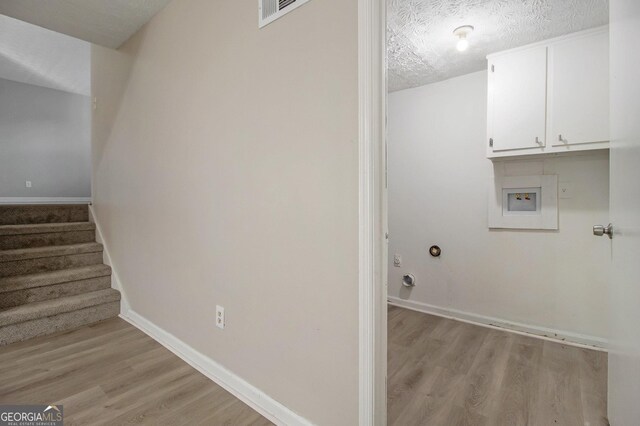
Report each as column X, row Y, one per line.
column 49, row 278
column 45, row 228
column 47, row 308
column 49, row 251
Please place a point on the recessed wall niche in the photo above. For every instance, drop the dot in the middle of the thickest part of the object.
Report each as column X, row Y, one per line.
column 524, row 202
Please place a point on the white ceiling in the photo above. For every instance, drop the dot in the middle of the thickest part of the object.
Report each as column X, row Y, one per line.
column 33, row 55
column 106, row 22
column 421, row 46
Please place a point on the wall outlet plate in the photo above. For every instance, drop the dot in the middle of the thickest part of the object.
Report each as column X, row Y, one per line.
column 565, row 190
column 27, row 184
column 397, row 260
column 220, row 317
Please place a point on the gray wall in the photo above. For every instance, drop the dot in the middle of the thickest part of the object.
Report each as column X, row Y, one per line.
column 44, row 138
column 226, row 173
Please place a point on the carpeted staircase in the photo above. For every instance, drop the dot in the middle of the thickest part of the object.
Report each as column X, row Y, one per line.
column 52, row 277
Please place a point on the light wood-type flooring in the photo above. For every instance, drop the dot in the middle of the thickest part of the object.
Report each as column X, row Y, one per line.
column 111, row 373
column 443, row 372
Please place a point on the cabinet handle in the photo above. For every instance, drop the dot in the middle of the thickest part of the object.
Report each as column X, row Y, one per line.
column 561, row 140
column 538, row 141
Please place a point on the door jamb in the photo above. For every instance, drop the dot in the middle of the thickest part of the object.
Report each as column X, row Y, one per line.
column 372, row 212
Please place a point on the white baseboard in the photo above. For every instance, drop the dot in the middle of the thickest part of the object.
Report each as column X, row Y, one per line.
column 115, row 280
column 250, row 395
column 565, row 337
column 244, row 391
column 45, row 200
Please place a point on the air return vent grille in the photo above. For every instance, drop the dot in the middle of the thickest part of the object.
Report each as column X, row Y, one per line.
column 270, row 10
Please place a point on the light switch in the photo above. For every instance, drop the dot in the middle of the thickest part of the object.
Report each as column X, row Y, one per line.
column 565, row 190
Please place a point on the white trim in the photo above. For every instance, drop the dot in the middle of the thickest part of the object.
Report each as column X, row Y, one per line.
column 115, row 279
column 45, row 200
column 372, row 218
column 256, row 399
column 560, row 336
column 241, row 389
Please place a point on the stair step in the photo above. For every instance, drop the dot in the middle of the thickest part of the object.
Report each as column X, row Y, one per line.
column 22, row 282
column 53, row 251
column 42, row 259
column 57, row 306
column 43, row 228
column 24, row 214
column 51, row 316
column 14, row 237
column 52, row 276
column 23, row 289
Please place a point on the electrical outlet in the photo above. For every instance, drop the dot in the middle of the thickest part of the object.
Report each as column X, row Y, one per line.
column 27, row 184
column 397, row 260
column 220, row 317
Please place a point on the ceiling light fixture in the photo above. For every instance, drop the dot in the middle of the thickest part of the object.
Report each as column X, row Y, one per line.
column 461, row 33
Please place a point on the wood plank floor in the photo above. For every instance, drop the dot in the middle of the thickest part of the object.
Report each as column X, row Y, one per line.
column 111, row 373
column 443, row 372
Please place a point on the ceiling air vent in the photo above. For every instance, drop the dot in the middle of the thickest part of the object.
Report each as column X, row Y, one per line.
column 270, row 10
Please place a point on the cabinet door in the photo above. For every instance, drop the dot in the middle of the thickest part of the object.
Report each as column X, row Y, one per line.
column 517, row 99
column 579, row 90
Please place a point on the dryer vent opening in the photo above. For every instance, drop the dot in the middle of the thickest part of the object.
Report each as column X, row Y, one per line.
column 408, row 280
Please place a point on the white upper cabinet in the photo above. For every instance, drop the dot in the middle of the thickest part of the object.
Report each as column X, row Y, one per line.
column 550, row 97
column 579, row 90
column 517, row 98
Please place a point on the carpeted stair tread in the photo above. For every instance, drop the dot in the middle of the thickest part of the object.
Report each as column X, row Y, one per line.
column 49, row 251
column 52, row 276
column 44, row 228
column 58, row 213
column 21, row 282
column 58, row 306
column 58, row 323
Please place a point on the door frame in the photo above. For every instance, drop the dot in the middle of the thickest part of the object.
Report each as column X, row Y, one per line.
column 372, row 213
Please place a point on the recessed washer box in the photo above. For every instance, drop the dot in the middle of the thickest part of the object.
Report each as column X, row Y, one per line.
column 521, row 201
column 524, row 202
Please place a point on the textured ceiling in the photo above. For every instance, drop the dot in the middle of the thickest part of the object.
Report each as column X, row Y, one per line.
column 421, row 46
column 34, row 55
column 106, row 22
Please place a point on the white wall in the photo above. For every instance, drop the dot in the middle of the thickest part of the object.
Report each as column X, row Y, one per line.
column 438, row 185
column 226, row 172
column 45, row 137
